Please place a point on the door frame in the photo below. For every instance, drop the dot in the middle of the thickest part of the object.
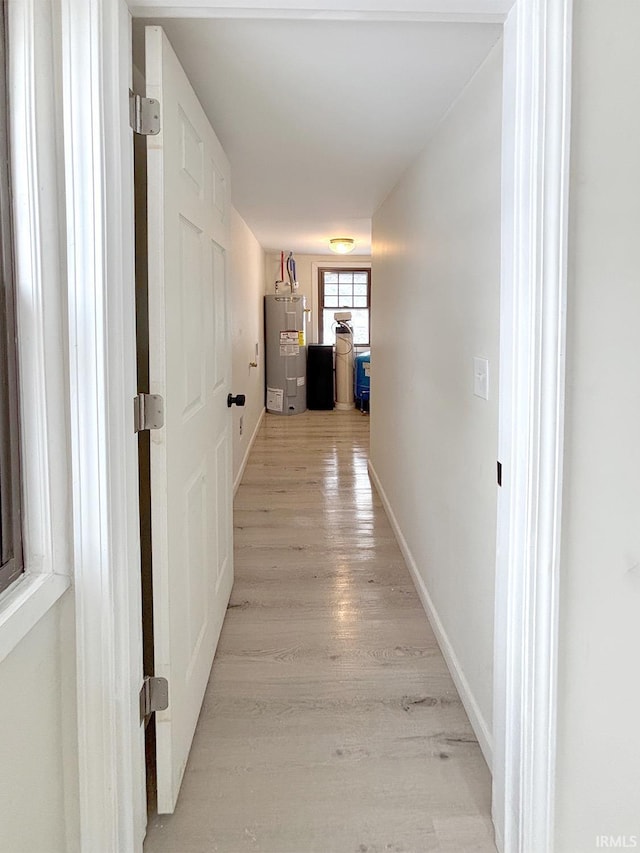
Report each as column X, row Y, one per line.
column 533, row 299
column 98, row 165
column 98, row 161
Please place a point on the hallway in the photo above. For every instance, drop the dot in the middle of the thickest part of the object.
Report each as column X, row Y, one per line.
column 331, row 723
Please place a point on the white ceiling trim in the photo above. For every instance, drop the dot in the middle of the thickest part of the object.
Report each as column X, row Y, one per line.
column 424, row 11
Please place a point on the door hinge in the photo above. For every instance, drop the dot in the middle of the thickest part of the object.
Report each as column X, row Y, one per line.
column 148, row 412
column 144, row 114
column 154, row 696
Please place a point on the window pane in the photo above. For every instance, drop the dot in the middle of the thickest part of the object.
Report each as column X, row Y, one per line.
column 331, row 302
column 331, row 290
column 346, row 292
column 360, row 278
column 345, row 278
column 360, row 324
column 330, row 278
column 360, row 301
column 360, row 289
column 328, row 328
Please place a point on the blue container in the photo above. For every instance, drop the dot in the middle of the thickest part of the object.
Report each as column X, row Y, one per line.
column 363, row 368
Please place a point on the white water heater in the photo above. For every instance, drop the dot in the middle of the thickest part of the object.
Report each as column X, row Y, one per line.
column 286, row 353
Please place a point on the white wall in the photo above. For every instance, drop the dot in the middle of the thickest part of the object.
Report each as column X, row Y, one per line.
column 246, row 277
column 307, row 273
column 436, row 264
column 38, row 752
column 598, row 783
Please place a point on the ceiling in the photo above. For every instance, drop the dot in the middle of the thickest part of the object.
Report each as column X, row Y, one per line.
column 320, row 118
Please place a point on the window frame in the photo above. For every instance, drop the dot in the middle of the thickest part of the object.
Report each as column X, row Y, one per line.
column 35, row 141
column 11, row 558
column 321, row 306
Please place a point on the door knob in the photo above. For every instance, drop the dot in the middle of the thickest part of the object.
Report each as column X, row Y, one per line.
column 239, row 400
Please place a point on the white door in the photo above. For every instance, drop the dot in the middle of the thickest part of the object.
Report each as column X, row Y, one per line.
column 189, row 354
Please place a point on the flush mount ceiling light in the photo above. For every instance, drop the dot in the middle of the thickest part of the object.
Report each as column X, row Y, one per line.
column 342, row 245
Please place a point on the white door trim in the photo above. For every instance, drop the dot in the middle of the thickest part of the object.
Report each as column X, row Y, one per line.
column 100, row 189
column 537, row 72
column 102, row 364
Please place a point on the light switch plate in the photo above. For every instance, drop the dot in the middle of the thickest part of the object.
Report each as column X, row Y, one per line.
column 481, row 377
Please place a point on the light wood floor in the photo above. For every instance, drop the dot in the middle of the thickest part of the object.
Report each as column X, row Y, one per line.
column 331, row 723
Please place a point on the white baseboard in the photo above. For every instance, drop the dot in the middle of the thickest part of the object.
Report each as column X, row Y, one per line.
column 476, row 718
column 245, row 459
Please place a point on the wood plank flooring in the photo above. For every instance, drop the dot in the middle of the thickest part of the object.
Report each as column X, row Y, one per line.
column 331, row 723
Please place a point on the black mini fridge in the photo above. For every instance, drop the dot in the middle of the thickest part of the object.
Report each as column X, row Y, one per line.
column 320, row 377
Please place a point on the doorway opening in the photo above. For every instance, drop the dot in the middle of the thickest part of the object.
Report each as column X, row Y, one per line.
column 530, row 110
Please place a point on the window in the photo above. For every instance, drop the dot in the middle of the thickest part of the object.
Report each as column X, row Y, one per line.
column 10, row 525
column 344, row 290
column 35, row 460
